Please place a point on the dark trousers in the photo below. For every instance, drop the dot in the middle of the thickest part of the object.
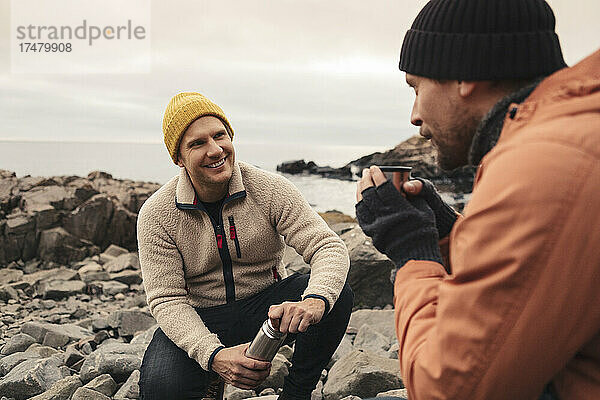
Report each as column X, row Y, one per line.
column 167, row 372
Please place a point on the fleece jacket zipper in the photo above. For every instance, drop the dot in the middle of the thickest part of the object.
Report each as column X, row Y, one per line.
column 233, row 236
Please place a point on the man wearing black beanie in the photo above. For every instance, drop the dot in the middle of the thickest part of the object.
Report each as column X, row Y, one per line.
column 500, row 302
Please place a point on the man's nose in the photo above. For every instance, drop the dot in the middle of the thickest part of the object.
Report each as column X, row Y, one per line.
column 214, row 149
column 415, row 118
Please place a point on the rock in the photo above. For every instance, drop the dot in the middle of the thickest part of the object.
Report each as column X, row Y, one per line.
column 39, row 330
column 279, row 370
column 10, row 275
column 286, row 351
column 92, row 272
column 345, row 347
column 41, row 351
column 8, row 293
column 380, row 320
column 233, row 393
column 62, row 273
column 297, row 167
column 58, row 245
column 122, row 262
column 369, row 275
column 9, row 362
column 317, row 393
column 362, row 374
column 401, row 394
column 32, row 377
column 393, row 351
column 17, row 343
column 72, row 356
column 110, row 287
column 131, row 388
column 122, row 227
column 104, row 384
column 267, row 392
column 271, row 397
column 84, row 393
column 294, row 263
column 368, row 339
column 113, row 251
column 55, row 339
column 146, row 337
column 351, row 398
column 117, row 359
column 91, row 219
column 127, row 277
column 63, row 389
column 59, row 289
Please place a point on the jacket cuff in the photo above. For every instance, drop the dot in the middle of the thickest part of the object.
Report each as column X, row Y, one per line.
column 212, row 357
column 316, row 296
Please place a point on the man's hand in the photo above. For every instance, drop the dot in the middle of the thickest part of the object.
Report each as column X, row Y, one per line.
column 445, row 216
column 401, row 228
column 296, row 316
column 238, row 370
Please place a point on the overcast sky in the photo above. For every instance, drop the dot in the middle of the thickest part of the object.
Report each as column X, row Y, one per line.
column 294, row 71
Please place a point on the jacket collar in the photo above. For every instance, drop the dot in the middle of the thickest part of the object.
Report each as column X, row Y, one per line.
column 185, row 195
column 487, row 133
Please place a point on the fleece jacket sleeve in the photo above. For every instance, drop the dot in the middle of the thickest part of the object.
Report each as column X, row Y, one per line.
column 305, row 231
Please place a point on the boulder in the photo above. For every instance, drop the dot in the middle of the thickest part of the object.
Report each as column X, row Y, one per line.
column 109, row 287
column 122, row 262
column 63, row 389
column 127, row 277
column 59, row 289
column 145, row 337
column 380, row 320
column 91, row 219
column 32, row 377
column 9, row 362
column 10, row 275
column 60, row 246
column 233, row 393
column 39, row 330
column 369, row 275
column 117, row 359
column 369, row 339
column 401, row 394
column 17, row 343
column 104, row 384
column 112, row 252
column 130, row 322
column 64, row 274
column 131, row 388
column 84, row 393
column 362, row 374
column 8, row 293
column 279, row 370
column 92, row 272
column 123, row 229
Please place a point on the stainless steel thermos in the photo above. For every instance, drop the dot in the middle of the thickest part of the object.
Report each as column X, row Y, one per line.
column 266, row 343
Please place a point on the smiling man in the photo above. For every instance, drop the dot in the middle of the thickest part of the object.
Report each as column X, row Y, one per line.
column 512, row 310
column 211, row 243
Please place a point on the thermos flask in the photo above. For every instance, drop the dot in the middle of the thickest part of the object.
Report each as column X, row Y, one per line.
column 266, row 343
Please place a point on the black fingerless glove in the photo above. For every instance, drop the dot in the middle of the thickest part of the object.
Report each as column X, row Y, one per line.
column 445, row 216
column 402, row 229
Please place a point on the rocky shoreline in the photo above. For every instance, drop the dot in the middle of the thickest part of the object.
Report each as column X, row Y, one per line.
column 74, row 322
column 416, row 152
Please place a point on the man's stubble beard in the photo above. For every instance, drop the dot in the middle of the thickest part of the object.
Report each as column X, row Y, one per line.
column 456, row 154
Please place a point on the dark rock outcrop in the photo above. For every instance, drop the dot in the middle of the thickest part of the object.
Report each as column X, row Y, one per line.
column 416, row 152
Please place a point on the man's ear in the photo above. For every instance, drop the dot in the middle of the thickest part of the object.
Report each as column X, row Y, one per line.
column 466, row 88
column 179, row 161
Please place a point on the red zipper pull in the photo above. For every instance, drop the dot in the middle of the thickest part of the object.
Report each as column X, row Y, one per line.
column 232, row 232
column 219, row 241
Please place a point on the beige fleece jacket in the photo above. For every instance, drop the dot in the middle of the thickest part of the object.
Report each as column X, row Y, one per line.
column 180, row 261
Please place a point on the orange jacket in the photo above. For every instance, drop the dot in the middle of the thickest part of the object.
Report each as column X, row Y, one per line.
column 522, row 306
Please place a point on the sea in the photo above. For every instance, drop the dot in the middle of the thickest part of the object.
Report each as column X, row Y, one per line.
column 150, row 162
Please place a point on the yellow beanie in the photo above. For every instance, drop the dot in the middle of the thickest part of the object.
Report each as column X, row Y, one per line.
column 182, row 110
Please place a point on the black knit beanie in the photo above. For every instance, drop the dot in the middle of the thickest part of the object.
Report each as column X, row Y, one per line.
column 482, row 40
